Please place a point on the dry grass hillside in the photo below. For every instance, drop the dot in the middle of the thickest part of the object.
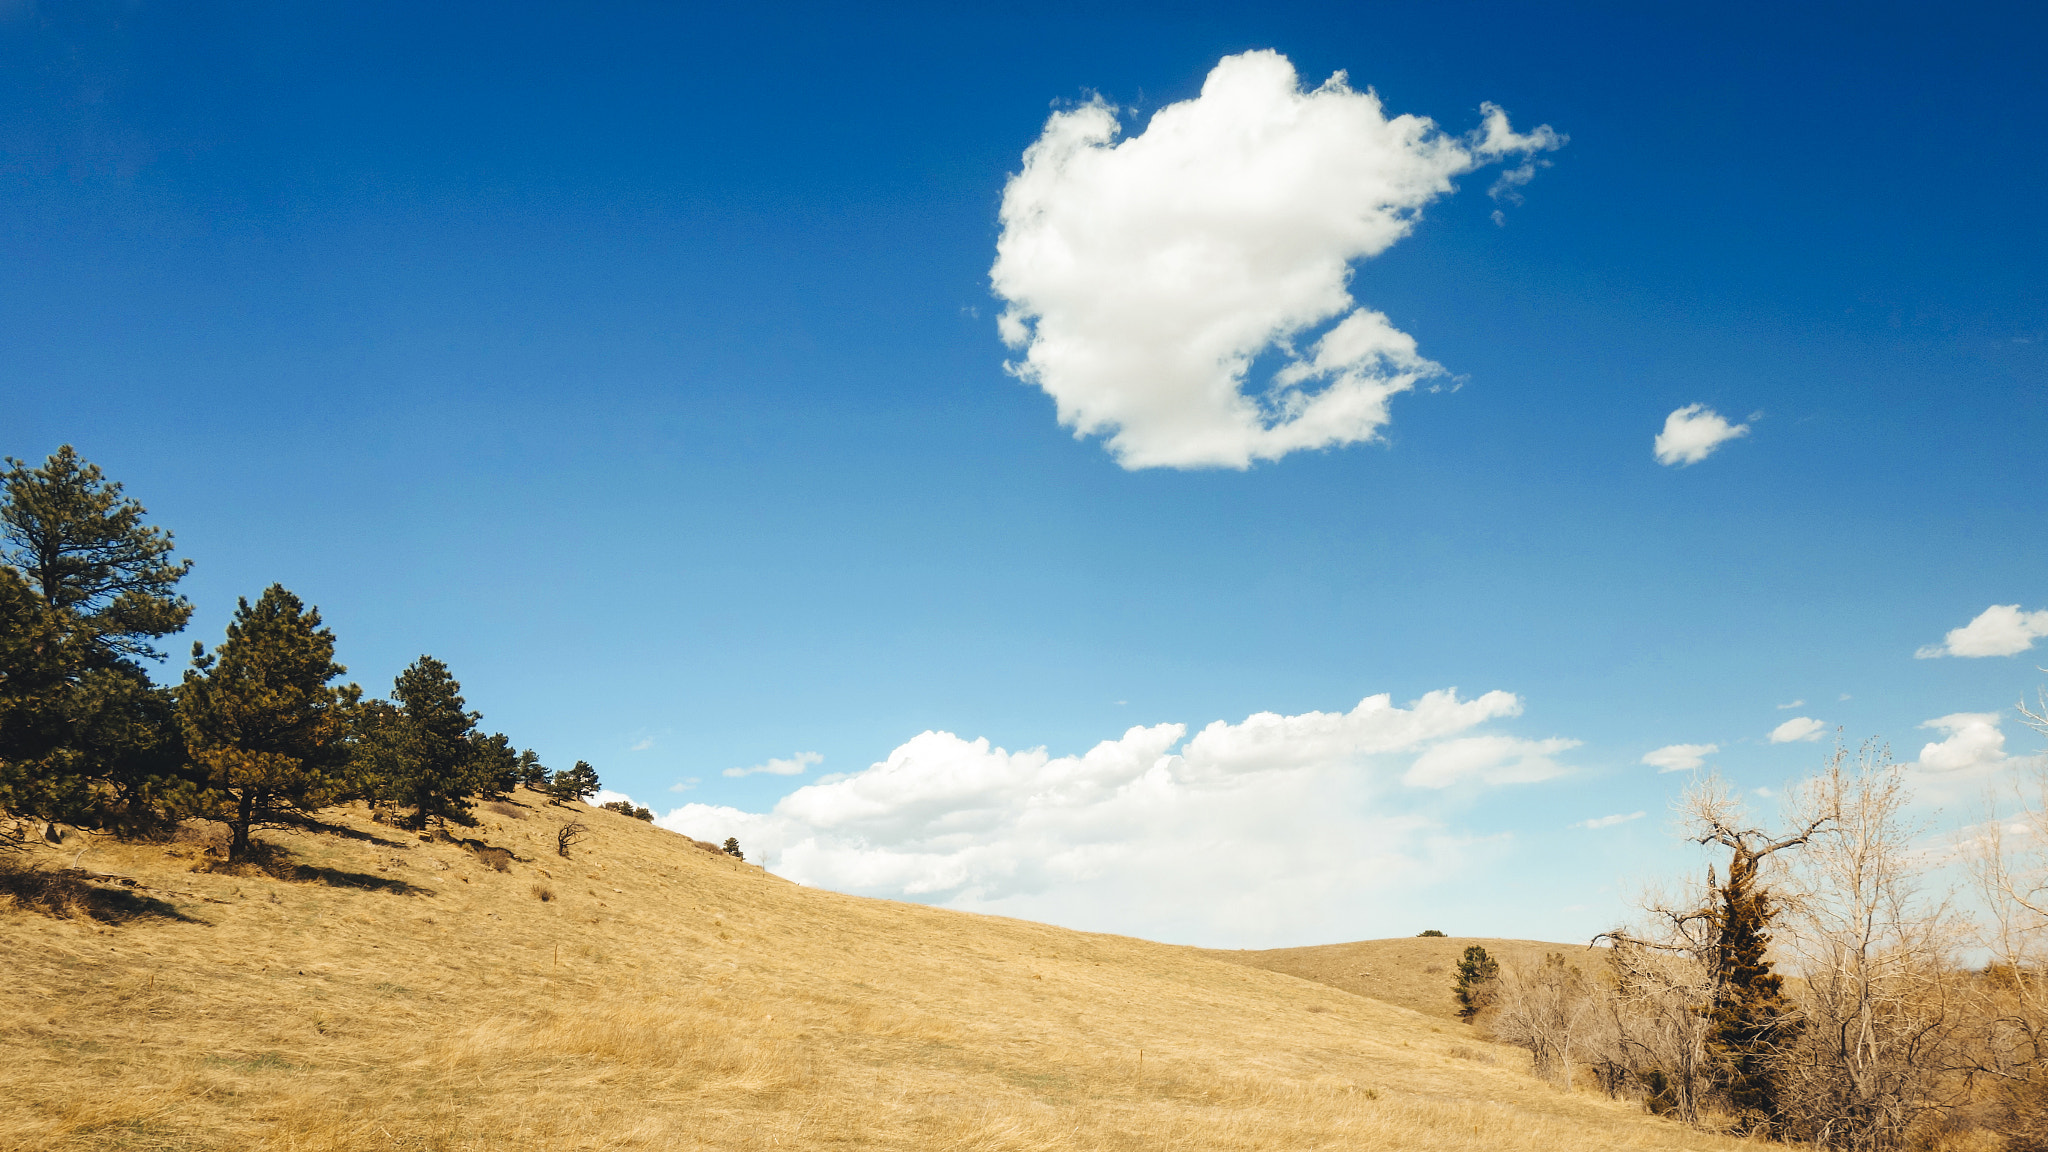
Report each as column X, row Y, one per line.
column 1414, row 973
column 384, row 992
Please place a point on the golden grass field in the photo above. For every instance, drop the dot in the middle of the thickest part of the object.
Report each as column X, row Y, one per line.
column 403, row 994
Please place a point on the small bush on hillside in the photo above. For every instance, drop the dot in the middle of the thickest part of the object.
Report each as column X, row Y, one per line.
column 542, row 892
column 1473, row 987
column 626, row 808
column 732, row 848
column 1427, row 932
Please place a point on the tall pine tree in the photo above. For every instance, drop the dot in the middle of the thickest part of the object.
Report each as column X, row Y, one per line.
column 264, row 727
column 423, row 752
column 93, row 741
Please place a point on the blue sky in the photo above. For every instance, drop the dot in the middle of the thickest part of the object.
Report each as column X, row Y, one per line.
column 642, row 363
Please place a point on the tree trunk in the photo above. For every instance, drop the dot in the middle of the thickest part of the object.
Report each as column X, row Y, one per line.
column 238, row 847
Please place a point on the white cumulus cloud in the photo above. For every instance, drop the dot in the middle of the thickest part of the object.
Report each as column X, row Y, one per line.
column 1276, row 828
column 2000, row 630
column 1680, row 757
column 1609, row 821
column 1796, row 729
column 1144, row 275
column 1971, row 741
column 1692, row 433
column 794, row 766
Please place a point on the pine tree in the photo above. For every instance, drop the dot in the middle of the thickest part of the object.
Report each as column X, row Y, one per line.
column 422, row 751
column 88, row 553
column 532, row 773
column 1472, row 988
column 497, row 765
column 263, row 726
column 93, row 741
column 578, row 783
column 1752, row 1018
column 38, row 660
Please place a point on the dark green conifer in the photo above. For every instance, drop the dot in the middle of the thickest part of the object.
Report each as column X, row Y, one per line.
column 87, row 551
column 578, row 783
column 532, row 773
column 86, row 737
column 264, row 728
column 1752, row 1018
column 1473, row 985
column 422, row 752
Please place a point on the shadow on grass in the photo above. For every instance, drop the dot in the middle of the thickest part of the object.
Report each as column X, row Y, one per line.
column 67, row 893
column 266, row 858
column 336, row 878
column 308, row 824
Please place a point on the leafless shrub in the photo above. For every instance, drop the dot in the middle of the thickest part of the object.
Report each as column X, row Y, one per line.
column 1550, row 1010
column 542, row 892
column 504, row 809
column 567, row 836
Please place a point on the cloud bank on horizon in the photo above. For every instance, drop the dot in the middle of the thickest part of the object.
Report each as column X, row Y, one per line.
column 1250, row 832
column 2000, row 630
column 1143, row 276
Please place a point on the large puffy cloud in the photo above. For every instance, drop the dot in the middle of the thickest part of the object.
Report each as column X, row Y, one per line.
column 1970, row 741
column 2000, row 630
column 1274, row 829
column 1144, row 276
column 1692, row 433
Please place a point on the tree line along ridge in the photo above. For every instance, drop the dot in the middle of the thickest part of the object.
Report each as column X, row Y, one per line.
column 260, row 732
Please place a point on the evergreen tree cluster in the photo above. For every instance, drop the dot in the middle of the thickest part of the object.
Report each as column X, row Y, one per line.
column 260, row 732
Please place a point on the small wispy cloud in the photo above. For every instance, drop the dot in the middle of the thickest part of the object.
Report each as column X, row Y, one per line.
column 1794, row 704
column 685, row 784
column 794, row 766
column 1609, row 821
column 2000, row 630
column 1692, row 433
column 1680, row 757
column 641, row 745
column 1797, row 729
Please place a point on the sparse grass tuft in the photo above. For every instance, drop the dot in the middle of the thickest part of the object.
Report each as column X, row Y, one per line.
column 542, row 892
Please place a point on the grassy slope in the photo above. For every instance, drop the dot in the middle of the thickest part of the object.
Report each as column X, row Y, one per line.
column 410, row 997
column 1414, row 972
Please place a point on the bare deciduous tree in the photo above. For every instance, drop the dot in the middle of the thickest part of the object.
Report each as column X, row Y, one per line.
column 1880, row 1004
column 1552, row 1010
column 2009, row 1054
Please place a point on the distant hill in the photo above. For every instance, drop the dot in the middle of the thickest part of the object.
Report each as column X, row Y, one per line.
column 382, row 991
column 1414, row 972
